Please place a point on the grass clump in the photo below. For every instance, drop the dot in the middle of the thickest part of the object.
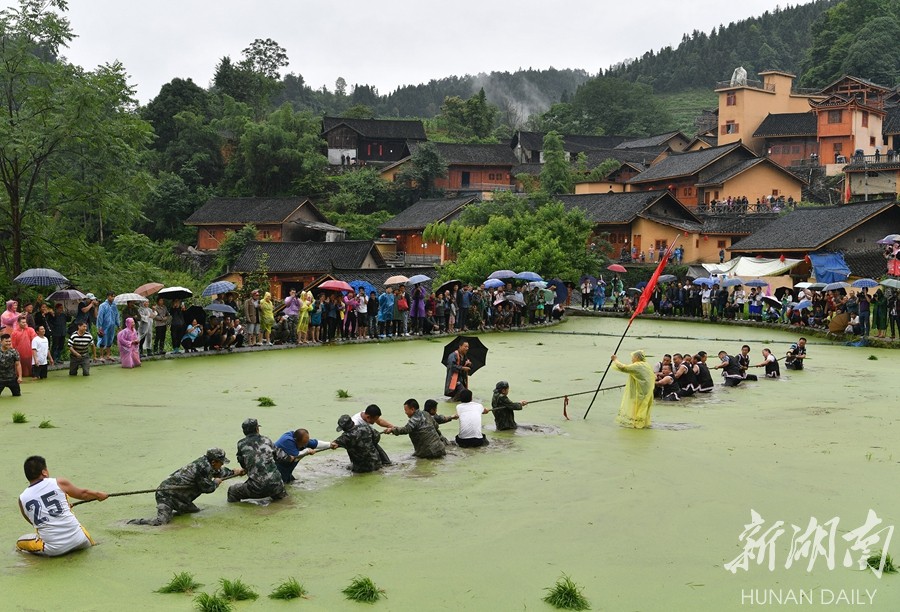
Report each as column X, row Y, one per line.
column 212, row 603
column 46, row 425
column 19, row 417
column 343, row 393
column 566, row 595
column 364, row 590
column 236, row 590
column 289, row 589
column 874, row 562
column 265, row 402
column 873, row 358
column 181, row 583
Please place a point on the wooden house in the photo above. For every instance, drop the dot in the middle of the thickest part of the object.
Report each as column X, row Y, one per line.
column 789, row 138
column 364, row 141
column 528, row 147
column 407, row 227
column 850, row 229
column 298, row 265
column 714, row 174
column 276, row 219
column 676, row 141
column 849, row 118
column 470, row 167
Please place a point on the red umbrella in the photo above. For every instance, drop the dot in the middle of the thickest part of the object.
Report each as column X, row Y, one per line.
column 335, row 285
column 617, row 268
column 148, row 289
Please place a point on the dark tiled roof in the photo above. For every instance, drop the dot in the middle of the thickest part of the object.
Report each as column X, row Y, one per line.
column 473, row 154
column 682, row 224
column 424, row 212
column 709, row 139
column 396, row 129
column 292, row 257
column 618, row 207
column 733, row 225
column 787, row 124
column 867, row 264
column 534, row 141
column 377, row 277
column 683, row 164
column 891, row 124
column 245, row 210
column 743, row 166
column 642, row 155
column 650, row 141
column 533, row 169
column 809, row 229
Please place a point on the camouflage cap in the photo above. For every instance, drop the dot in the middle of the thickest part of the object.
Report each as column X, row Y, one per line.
column 216, row 454
column 345, row 423
column 250, row 426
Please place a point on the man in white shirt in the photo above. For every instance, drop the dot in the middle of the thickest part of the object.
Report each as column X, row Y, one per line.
column 40, row 353
column 469, row 413
column 45, row 505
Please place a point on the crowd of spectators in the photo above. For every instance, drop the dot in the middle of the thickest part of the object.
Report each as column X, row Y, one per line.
column 94, row 329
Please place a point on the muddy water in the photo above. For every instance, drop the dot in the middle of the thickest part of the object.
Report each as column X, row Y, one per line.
column 645, row 520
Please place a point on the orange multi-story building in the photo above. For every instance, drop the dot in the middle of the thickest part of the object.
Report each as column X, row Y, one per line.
column 850, row 118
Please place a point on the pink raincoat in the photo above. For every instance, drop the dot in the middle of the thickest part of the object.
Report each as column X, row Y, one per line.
column 129, row 345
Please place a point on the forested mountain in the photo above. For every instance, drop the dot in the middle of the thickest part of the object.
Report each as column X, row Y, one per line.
column 524, row 92
column 777, row 39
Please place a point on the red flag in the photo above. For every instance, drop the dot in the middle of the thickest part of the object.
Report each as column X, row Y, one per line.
column 651, row 284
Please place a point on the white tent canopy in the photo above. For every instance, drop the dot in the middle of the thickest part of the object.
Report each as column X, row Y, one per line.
column 752, row 267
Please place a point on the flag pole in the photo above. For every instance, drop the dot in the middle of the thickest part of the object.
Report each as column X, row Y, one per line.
column 642, row 304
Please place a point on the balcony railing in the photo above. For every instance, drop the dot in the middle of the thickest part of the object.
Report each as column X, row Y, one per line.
column 748, row 83
column 738, row 208
column 881, row 158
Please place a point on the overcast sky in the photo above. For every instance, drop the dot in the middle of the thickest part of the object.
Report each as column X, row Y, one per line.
column 386, row 43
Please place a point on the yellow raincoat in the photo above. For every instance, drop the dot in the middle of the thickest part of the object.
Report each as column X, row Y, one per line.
column 638, row 397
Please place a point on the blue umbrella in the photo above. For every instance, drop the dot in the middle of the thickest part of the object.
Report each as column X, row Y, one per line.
column 732, row 282
column 641, row 284
column 220, row 308
column 836, row 286
column 218, row 288
column 502, row 274
column 704, row 281
column 366, row 286
column 864, row 283
column 562, row 292
column 803, row 304
column 45, row 277
column 417, row 279
column 756, row 283
column 587, row 277
column 494, row 283
column 532, row 276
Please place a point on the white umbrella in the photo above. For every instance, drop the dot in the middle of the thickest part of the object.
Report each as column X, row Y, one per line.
column 124, row 298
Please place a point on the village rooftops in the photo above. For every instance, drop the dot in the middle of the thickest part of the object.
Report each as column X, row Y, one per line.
column 787, row 124
column 679, row 165
column 394, row 129
column 472, row 154
column 312, row 257
column 811, row 228
column 733, row 171
column 241, row 211
column 652, row 141
column 534, row 141
column 423, row 212
column 622, row 208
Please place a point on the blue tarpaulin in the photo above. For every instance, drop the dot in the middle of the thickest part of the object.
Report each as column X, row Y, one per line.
column 829, row 267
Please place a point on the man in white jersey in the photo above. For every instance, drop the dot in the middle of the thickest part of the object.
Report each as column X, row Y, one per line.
column 469, row 413
column 45, row 505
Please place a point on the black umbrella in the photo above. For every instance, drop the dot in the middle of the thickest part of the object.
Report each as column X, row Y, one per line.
column 195, row 312
column 477, row 351
column 220, row 308
column 448, row 286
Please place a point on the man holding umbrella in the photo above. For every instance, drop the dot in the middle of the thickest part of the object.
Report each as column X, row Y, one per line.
column 458, row 367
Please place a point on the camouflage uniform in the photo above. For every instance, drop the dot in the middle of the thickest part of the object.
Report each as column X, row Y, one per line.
column 438, row 420
column 178, row 492
column 422, row 430
column 361, row 444
column 503, row 411
column 257, row 455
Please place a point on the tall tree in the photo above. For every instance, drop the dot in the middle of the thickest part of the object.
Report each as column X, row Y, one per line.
column 266, row 57
column 69, row 139
column 425, row 166
column 556, row 173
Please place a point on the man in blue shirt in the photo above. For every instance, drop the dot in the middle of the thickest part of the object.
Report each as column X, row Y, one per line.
column 298, row 445
column 465, row 301
column 385, row 311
